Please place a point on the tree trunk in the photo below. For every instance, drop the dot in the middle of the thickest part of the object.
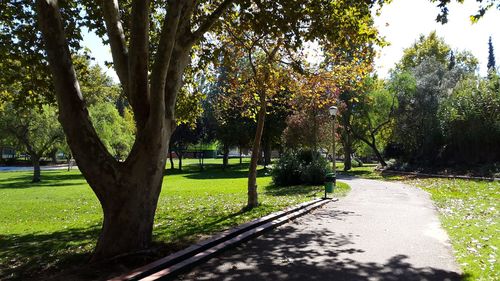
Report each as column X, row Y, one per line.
column 68, row 161
column 170, row 154
column 200, row 160
column 347, row 151
column 129, row 214
column 225, row 157
column 35, row 159
column 252, row 175
column 53, row 155
column 179, row 155
column 267, row 153
column 378, row 155
column 373, row 146
column 241, row 156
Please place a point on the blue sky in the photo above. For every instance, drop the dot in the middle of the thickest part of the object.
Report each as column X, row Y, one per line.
column 401, row 22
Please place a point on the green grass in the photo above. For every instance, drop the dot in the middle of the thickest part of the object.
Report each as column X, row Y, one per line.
column 53, row 225
column 469, row 211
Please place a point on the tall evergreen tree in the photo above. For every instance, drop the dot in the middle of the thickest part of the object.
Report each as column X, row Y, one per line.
column 453, row 61
column 491, row 57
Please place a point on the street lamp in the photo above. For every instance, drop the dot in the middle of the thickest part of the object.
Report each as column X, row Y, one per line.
column 333, row 112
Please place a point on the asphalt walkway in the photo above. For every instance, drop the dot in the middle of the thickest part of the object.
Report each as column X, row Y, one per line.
column 380, row 231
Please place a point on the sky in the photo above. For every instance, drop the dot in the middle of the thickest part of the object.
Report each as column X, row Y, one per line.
column 401, row 23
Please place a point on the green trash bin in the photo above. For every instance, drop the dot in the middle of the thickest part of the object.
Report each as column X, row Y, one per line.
column 330, row 182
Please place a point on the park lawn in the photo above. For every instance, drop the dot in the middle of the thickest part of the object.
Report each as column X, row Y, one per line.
column 469, row 211
column 53, row 225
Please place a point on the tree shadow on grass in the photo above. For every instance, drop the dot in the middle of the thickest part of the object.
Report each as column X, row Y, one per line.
column 64, row 255
column 215, row 171
column 307, row 190
column 49, row 179
column 369, row 175
column 310, row 253
column 30, row 256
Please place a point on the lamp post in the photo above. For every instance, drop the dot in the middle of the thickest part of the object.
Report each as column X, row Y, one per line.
column 333, row 112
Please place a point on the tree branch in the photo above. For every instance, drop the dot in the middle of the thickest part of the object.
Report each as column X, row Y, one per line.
column 138, row 61
column 388, row 117
column 164, row 54
column 117, row 39
column 48, row 144
column 73, row 115
column 210, row 20
column 179, row 59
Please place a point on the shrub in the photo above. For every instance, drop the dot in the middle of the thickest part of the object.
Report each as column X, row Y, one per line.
column 301, row 167
column 287, row 170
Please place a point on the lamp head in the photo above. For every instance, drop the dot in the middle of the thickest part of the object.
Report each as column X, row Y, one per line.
column 333, row 110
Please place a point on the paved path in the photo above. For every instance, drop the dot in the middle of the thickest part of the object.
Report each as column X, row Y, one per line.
column 380, row 231
column 30, row 168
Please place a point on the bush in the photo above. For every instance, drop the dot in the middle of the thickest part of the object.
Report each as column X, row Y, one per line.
column 302, row 167
column 287, row 170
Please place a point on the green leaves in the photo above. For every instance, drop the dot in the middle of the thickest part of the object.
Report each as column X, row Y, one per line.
column 35, row 131
column 116, row 132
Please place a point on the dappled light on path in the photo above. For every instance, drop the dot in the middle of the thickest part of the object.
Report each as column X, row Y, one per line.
column 380, row 231
column 291, row 253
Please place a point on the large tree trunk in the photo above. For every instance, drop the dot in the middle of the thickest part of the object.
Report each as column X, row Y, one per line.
column 35, row 159
column 252, row 175
column 129, row 214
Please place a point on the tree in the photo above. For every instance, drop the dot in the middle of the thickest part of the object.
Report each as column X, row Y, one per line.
column 227, row 108
column 183, row 136
column 150, row 55
column 129, row 190
column 491, row 58
column 37, row 131
column 425, row 47
column 276, row 117
column 470, row 121
column 276, row 39
column 421, row 81
column 373, row 117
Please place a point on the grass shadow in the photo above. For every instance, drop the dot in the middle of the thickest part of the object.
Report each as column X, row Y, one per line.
column 49, row 179
column 215, row 171
column 27, row 256
column 308, row 190
column 190, row 230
